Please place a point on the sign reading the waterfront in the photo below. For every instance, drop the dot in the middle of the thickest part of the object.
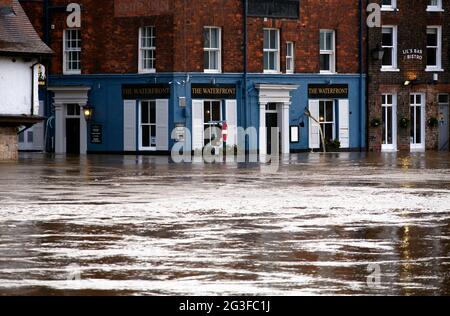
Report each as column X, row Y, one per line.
column 412, row 54
column 96, row 134
column 334, row 91
column 205, row 91
column 133, row 8
column 145, row 91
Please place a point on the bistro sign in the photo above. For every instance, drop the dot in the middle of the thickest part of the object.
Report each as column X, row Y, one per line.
column 335, row 91
column 145, row 91
column 202, row 91
column 412, row 54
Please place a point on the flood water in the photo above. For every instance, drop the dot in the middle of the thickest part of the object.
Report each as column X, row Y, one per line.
column 322, row 225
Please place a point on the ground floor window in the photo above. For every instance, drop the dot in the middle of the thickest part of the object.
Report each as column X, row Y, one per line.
column 212, row 117
column 147, row 125
column 389, row 115
column 417, row 121
column 327, row 121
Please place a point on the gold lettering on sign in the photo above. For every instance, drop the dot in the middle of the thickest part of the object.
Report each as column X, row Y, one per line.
column 134, row 8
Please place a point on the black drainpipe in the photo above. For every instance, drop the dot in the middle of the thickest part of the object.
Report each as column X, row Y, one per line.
column 245, row 63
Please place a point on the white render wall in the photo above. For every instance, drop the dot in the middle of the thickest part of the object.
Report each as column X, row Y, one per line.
column 15, row 87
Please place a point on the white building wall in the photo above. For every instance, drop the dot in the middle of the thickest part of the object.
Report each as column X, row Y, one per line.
column 15, row 87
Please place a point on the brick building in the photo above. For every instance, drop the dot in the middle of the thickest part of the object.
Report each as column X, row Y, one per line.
column 145, row 68
column 409, row 77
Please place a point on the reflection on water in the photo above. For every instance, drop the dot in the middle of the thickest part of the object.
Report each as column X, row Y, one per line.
column 140, row 225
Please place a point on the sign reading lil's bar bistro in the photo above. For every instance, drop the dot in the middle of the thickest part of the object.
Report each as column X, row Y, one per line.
column 145, row 91
column 335, row 91
column 204, row 91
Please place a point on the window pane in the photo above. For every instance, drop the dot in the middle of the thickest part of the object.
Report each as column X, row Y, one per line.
column 325, row 63
column 145, row 136
column 153, row 136
column 216, row 111
column 152, row 119
column 207, row 112
column 215, row 38
column 330, row 43
column 266, row 39
column 418, row 125
column 329, row 112
column 145, row 113
column 431, row 56
column 207, row 38
column 387, row 58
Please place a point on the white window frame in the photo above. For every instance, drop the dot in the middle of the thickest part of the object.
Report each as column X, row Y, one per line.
column 323, row 122
column 435, row 8
column 391, row 7
column 211, row 49
column 331, row 52
column 384, row 106
column 394, row 66
column 419, row 147
column 438, row 66
column 66, row 51
column 273, row 50
column 209, row 124
column 291, row 58
column 140, row 125
column 141, row 68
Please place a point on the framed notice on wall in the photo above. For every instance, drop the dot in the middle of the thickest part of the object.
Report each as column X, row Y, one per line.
column 96, row 134
column 295, row 134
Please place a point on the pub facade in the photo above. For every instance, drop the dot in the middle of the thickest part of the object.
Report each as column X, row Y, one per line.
column 130, row 76
column 409, row 78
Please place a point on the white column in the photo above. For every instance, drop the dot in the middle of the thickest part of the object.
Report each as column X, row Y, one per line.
column 60, row 129
column 285, row 139
column 262, row 129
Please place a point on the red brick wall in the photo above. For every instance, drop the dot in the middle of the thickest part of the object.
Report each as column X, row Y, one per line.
column 110, row 43
column 412, row 21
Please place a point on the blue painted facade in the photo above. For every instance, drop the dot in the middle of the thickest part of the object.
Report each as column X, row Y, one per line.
column 105, row 97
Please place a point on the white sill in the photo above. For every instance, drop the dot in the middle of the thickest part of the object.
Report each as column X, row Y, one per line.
column 390, row 69
column 328, row 72
column 273, row 72
column 434, row 69
column 388, row 9
column 208, row 71
column 434, row 9
column 71, row 73
column 289, row 72
column 147, row 71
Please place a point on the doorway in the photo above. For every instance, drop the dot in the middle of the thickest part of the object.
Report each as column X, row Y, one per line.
column 389, row 114
column 272, row 122
column 417, row 122
column 444, row 130
column 73, row 129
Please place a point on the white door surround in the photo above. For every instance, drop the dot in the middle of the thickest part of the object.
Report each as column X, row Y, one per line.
column 280, row 95
column 63, row 96
column 418, row 126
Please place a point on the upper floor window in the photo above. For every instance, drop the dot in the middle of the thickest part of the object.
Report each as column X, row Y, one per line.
column 434, row 5
column 434, row 48
column 271, row 50
column 388, row 5
column 290, row 59
column 72, row 51
column 147, row 49
column 389, row 44
column 327, row 51
column 212, row 49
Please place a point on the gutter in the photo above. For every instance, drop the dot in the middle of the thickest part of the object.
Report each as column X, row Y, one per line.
column 361, row 73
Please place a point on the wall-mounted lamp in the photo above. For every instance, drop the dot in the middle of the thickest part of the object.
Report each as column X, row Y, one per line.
column 88, row 112
column 410, row 82
column 378, row 52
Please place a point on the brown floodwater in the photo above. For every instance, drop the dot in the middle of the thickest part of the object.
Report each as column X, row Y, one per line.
column 322, row 224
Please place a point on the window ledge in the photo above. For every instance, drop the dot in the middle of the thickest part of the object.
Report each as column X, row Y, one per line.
column 434, row 69
column 289, row 72
column 435, row 10
column 390, row 69
column 272, row 72
column 68, row 73
column 328, row 73
column 147, row 71
column 388, row 9
column 211, row 71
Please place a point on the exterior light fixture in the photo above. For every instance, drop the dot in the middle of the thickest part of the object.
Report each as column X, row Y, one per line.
column 88, row 112
column 378, row 52
column 407, row 83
